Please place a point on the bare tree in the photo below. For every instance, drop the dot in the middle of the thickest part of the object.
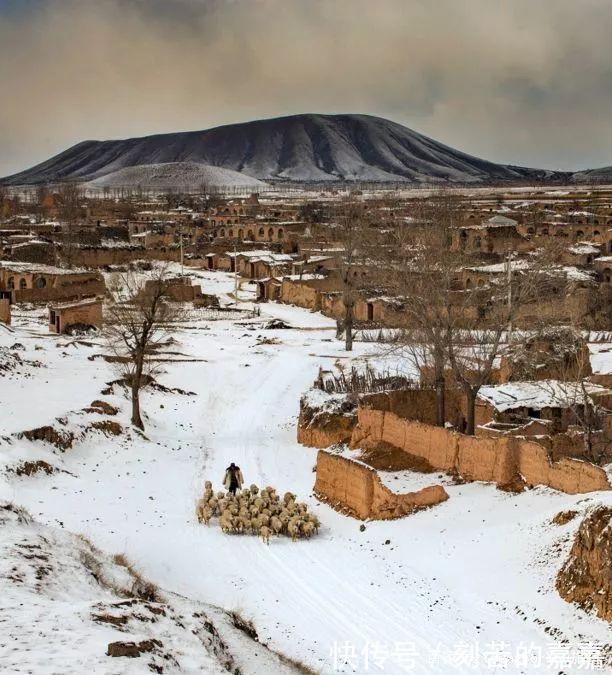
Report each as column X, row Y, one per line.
column 423, row 272
column 69, row 211
column 137, row 321
column 356, row 238
column 42, row 194
column 481, row 327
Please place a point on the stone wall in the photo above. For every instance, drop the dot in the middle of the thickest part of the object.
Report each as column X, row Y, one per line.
column 503, row 461
column 356, row 489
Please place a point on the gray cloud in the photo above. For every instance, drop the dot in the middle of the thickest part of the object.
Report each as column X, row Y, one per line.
column 526, row 82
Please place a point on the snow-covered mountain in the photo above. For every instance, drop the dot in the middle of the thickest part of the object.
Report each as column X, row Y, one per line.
column 175, row 174
column 306, row 147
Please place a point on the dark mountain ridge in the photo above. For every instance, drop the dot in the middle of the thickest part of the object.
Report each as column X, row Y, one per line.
column 303, row 148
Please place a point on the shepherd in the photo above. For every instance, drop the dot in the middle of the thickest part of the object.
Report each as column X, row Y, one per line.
column 233, row 478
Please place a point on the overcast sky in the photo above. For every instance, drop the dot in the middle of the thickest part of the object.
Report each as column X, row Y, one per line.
column 516, row 81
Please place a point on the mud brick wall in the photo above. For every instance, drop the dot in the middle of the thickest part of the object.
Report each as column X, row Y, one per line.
column 355, row 488
column 488, row 459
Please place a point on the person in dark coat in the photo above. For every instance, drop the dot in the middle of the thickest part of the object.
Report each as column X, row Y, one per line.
column 233, row 479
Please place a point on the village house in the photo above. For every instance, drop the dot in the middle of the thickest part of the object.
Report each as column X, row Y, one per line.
column 497, row 235
column 32, row 250
column 582, row 254
column 31, row 282
column 85, row 313
column 553, row 401
column 603, row 267
column 484, row 275
column 178, row 289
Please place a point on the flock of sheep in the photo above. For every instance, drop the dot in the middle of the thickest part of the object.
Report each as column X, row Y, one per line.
column 259, row 512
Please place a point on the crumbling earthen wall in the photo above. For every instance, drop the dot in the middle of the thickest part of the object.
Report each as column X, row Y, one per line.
column 300, row 294
column 321, row 429
column 70, row 287
column 357, row 489
column 501, row 460
column 416, row 404
column 585, row 578
column 5, row 310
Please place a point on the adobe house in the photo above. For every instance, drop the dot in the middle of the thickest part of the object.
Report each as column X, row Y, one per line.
column 582, row 253
column 477, row 277
column 269, row 289
column 32, row 282
column 552, row 400
column 179, row 289
column 86, row 312
column 262, row 263
column 34, row 250
column 496, row 235
column 603, row 266
column 552, row 353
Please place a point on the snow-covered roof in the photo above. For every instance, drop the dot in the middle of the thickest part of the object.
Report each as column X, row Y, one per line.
column 263, row 255
column 36, row 268
column 499, row 268
column 574, row 274
column 75, row 303
column 537, row 395
column 31, row 241
column 583, row 248
column 500, row 221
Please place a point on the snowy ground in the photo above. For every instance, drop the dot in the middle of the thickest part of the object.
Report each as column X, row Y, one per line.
column 464, row 587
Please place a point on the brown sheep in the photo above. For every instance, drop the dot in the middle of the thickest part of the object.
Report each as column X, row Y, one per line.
column 276, row 525
column 293, row 528
column 307, row 528
column 316, row 523
column 264, row 533
column 200, row 506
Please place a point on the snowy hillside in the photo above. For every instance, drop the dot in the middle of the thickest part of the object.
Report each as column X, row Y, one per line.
column 299, row 148
column 175, row 175
column 467, row 586
column 90, row 610
column 604, row 174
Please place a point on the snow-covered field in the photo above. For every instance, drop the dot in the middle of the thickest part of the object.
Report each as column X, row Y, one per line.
column 465, row 587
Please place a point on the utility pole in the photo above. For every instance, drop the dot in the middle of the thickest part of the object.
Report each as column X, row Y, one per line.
column 235, row 276
column 182, row 259
column 509, row 281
